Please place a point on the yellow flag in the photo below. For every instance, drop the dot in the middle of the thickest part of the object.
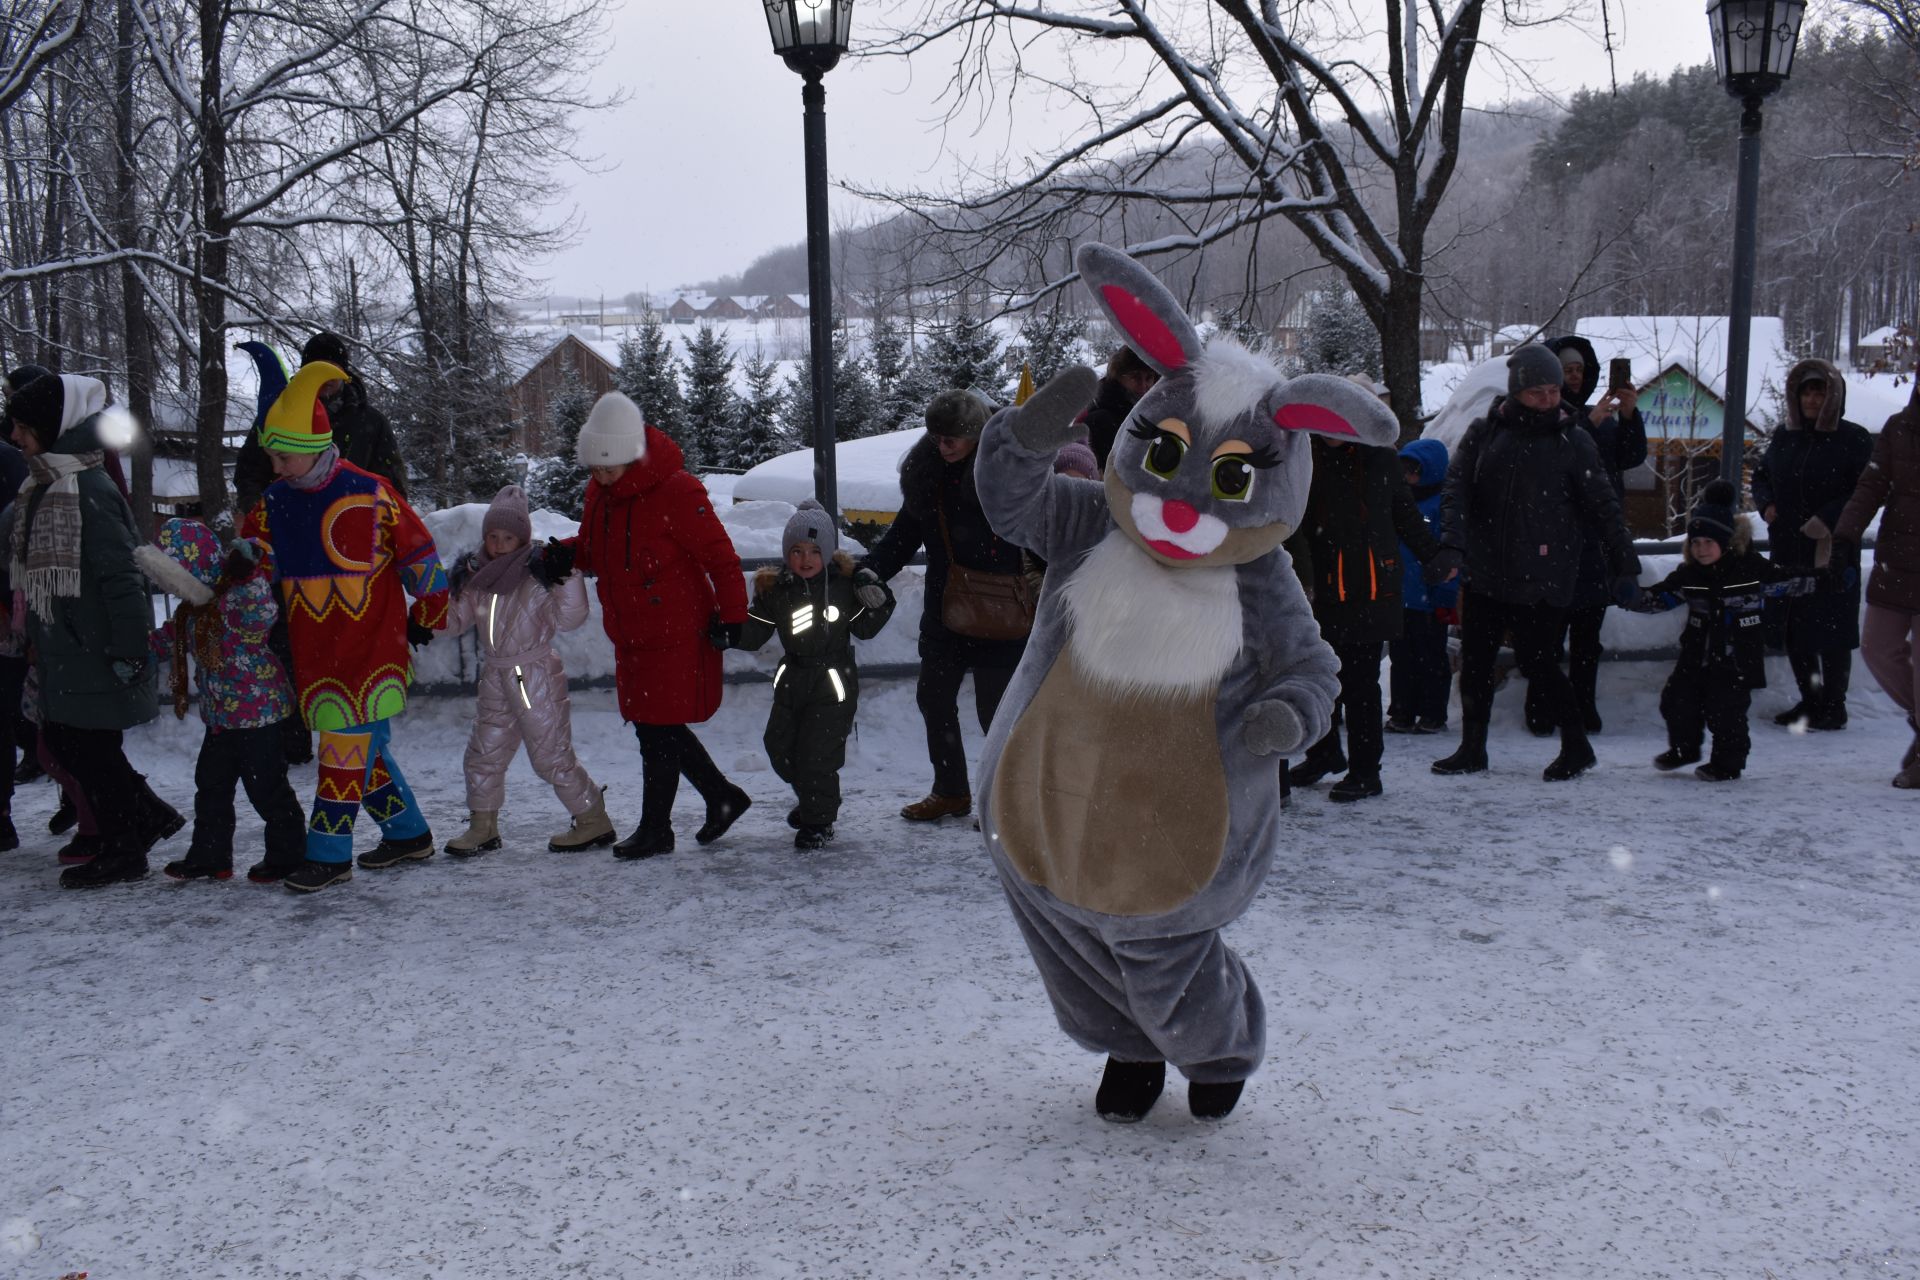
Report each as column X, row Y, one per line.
column 1026, row 390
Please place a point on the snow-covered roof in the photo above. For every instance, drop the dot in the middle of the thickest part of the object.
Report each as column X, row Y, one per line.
column 1879, row 337
column 1697, row 344
column 1471, row 396
column 866, row 473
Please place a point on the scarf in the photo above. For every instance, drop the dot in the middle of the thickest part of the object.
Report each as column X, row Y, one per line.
column 500, row 574
column 320, row 472
column 45, row 554
column 196, row 630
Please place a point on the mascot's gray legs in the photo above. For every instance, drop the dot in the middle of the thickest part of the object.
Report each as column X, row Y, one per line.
column 1188, row 1000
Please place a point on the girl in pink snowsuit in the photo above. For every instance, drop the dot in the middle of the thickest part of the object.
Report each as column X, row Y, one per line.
column 523, row 686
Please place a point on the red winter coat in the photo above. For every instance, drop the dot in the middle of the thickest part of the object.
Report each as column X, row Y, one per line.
column 664, row 566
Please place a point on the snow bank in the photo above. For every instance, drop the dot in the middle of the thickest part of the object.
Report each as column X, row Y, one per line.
column 867, row 473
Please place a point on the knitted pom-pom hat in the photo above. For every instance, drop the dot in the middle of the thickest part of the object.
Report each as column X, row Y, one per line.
column 508, row 513
column 1533, row 365
column 1713, row 514
column 810, row 523
column 614, row 434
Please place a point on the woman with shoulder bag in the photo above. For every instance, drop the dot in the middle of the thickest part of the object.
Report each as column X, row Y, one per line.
column 979, row 595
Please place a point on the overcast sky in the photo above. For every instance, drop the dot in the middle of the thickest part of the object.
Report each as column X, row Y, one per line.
column 703, row 165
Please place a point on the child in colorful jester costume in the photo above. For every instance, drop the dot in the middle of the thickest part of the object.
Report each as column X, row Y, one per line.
column 226, row 609
column 343, row 547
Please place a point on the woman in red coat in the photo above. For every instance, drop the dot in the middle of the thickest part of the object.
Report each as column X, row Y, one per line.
column 671, row 597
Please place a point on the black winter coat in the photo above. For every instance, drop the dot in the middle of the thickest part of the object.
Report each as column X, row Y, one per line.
column 1723, row 602
column 361, row 433
column 1807, row 473
column 1621, row 444
column 929, row 487
column 1105, row 416
column 1522, row 491
column 817, row 622
column 1358, row 511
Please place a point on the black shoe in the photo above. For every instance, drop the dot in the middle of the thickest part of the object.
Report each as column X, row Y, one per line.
column 9, row 838
column 1828, row 720
column 793, row 817
column 1314, row 768
column 271, row 872
column 154, row 819
column 1798, row 711
column 1674, row 758
column 1711, row 772
column 63, row 818
column 723, row 813
column 311, row 877
column 1575, row 758
column 1472, row 755
column 105, row 869
column 813, row 837
column 390, row 853
column 1355, row 786
column 644, row 844
column 1213, row 1101
column 191, row 868
column 1401, row 724
column 28, row 770
column 1128, row 1090
column 80, row 850
column 1429, row 725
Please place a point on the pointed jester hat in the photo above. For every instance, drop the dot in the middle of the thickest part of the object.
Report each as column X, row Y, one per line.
column 290, row 417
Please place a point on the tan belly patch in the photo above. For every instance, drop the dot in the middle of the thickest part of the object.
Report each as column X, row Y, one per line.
column 1116, row 803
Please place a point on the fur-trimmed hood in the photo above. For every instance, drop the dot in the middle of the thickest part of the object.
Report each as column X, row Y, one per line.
column 922, row 470
column 1587, row 355
column 842, row 564
column 1832, row 411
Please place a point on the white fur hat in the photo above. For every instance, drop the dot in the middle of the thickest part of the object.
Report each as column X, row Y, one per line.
column 613, row 435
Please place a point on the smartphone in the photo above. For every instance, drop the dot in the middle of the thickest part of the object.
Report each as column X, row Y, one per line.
column 1619, row 372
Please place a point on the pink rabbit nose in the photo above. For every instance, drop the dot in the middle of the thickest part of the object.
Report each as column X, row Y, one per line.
column 1178, row 516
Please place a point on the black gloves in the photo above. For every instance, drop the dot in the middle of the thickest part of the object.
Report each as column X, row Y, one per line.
column 418, row 634
column 1624, row 589
column 723, row 635
column 1444, row 564
column 551, row 564
column 1839, row 576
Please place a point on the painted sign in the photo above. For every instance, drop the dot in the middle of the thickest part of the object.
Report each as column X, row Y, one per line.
column 1676, row 407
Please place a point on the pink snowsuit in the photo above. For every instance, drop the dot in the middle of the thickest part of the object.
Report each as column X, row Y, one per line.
column 523, row 690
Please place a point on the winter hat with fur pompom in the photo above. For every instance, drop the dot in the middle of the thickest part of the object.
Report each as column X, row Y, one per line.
column 1713, row 514
column 810, row 523
column 614, row 434
column 508, row 513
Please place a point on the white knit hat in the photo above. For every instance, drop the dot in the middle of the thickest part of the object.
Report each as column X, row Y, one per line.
column 613, row 435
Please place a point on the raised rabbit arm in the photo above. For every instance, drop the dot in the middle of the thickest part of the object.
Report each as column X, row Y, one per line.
column 1055, row 517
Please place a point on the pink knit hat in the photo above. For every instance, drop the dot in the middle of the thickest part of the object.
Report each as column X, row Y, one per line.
column 508, row 513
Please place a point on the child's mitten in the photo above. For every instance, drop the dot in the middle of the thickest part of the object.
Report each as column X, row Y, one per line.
column 867, row 589
column 1050, row 417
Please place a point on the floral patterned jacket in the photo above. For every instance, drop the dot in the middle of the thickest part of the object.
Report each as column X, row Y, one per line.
column 249, row 689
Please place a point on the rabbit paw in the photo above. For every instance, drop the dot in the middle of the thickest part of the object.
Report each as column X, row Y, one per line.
column 1050, row 417
column 1273, row 729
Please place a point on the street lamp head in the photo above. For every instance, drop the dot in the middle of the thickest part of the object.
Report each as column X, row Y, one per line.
column 1753, row 43
column 810, row 35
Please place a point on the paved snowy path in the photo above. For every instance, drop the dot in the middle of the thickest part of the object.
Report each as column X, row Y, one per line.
column 1631, row 1026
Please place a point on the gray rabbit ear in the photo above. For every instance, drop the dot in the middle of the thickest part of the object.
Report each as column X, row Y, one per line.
column 1331, row 406
column 1140, row 307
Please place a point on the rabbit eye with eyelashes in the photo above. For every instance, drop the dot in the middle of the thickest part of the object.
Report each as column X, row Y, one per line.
column 1233, row 478
column 1165, row 450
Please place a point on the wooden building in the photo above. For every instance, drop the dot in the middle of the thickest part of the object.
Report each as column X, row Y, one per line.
column 531, row 396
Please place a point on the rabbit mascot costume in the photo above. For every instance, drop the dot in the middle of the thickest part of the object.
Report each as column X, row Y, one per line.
column 1132, row 796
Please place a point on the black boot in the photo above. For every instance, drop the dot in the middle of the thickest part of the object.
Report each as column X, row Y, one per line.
column 813, row 837
column 1716, row 771
column 1539, row 714
column 108, row 867
column 723, row 811
column 1576, row 755
column 64, row 817
column 645, row 842
column 1213, row 1101
column 390, row 853
column 1472, row 755
column 311, row 877
column 1128, row 1090
column 9, row 838
column 1798, row 711
column 80, row 850
column 154, row 820
column 1355, row 786
column 1676, row 757
column 196, row 866
column 1322, row 759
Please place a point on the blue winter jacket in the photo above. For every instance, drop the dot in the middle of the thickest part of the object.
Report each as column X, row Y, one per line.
column 1431, row 457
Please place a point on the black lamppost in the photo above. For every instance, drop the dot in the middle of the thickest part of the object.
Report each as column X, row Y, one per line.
column 810, row 36
column 1753, row 43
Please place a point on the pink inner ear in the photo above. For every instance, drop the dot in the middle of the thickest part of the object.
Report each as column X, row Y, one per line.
column 1311, row 417
column 1147, row 331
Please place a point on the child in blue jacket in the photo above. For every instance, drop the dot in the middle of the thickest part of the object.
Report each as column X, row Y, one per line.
column 1421, row 676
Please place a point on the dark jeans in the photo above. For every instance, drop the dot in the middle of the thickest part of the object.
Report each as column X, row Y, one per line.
column 13, row 677
column 1699, row 699
column 256, row 759
column 1535, row 629
column 1419, row 679
column 1580, row 636
column 97, row 762
column 943, row 665
column 1822, row 674
column 1359, row 708
column 666, row 752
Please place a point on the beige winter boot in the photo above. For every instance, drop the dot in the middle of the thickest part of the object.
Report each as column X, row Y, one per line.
column 481, row 834
column 589, row 829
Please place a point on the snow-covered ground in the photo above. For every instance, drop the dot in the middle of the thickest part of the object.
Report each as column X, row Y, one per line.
column 1630, row 1026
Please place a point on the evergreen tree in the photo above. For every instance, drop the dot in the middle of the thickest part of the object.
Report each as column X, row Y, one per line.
column 649, row 374
column 759, row 432
column 856, row 400
column 892, row 376
column 1340, row 337
column 557, row 481
column 710, row 411
column 962, row 353
column 1245, row 328
column 1051, row 341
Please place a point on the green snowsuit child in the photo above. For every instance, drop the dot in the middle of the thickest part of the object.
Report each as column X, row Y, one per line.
column 817, row 605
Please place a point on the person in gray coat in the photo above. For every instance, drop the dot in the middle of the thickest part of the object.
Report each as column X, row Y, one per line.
column 1130, row 802
column 70, row 548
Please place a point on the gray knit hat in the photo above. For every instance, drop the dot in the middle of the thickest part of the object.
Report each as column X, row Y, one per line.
column 508, row 512
column 959, row 415
column 1534, row 365
column 810, row 523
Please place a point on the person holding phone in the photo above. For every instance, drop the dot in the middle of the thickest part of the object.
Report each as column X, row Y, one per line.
column 1613, row 421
